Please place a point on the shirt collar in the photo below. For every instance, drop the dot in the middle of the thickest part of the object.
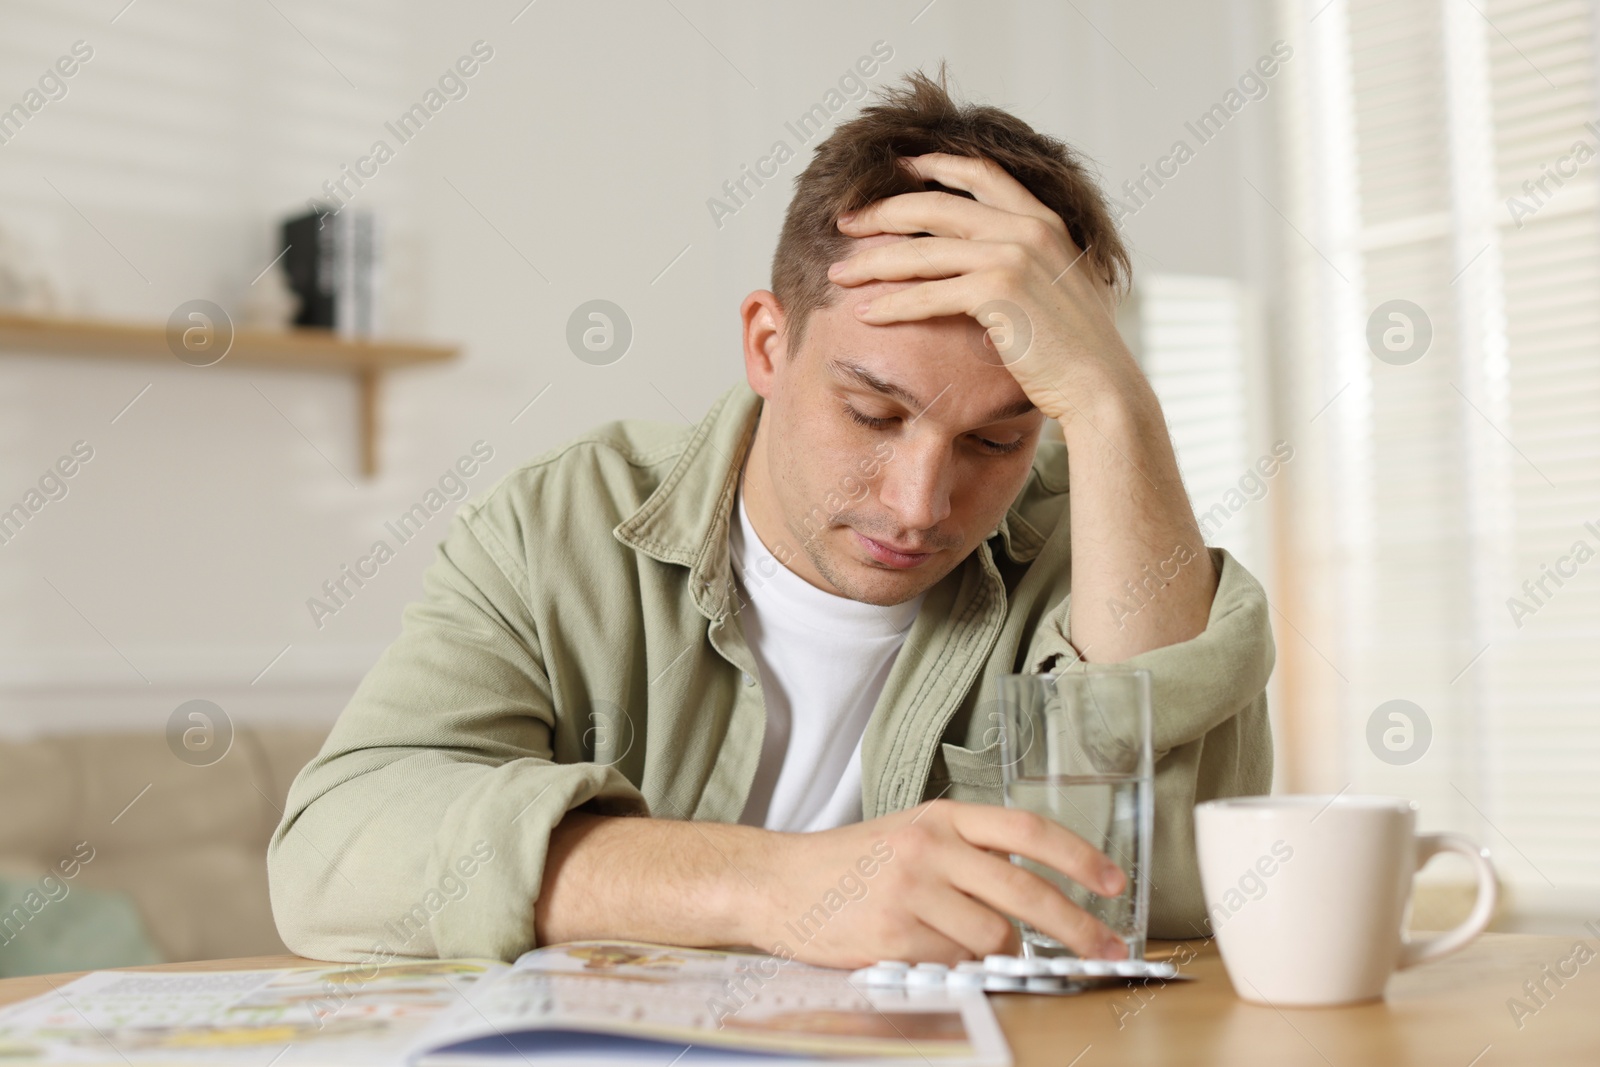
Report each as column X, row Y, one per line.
column 685, row 520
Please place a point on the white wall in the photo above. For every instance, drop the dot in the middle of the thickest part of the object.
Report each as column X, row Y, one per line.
column 180, row 563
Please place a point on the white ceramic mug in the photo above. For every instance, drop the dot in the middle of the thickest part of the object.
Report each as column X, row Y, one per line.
column 1308, row 894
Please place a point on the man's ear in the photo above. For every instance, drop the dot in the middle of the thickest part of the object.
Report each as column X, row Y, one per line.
column 765, row 343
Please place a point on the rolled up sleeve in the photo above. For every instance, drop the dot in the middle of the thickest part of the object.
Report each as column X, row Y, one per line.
column 1211, row 736
column 421, row 828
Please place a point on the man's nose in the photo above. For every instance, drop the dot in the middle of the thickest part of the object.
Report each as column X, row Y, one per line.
column 915, row 484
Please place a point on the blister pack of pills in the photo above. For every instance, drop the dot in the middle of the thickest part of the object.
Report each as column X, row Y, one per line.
column 1012, row 974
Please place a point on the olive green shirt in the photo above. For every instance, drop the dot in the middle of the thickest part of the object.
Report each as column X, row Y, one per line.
column 578, row 644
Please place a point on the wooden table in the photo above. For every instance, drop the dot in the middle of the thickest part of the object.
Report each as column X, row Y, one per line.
column 1453, row 1013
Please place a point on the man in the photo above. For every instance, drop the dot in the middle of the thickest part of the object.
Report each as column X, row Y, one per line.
column 775, row 633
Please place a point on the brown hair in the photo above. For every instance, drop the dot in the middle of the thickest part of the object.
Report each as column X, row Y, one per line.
column 856, row 165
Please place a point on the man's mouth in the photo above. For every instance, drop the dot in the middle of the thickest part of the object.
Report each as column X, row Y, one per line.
column 889, row 555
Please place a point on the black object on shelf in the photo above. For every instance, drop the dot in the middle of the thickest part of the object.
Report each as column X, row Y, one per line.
column 332, row 265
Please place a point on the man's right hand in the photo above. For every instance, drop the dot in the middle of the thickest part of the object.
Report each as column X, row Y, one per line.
column 940, row 888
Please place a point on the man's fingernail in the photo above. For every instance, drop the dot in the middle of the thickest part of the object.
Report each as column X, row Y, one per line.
column 863, row 307
column 1113, row 948
column 1111, row 879
column 848, row 216
column 835, row 268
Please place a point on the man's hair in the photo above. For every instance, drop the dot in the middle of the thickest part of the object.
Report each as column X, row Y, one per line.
column 856, row 165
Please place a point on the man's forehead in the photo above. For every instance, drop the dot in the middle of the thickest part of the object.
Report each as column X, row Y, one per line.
column 964, row 395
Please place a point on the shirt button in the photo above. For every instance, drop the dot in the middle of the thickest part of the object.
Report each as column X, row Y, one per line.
column 749, row 680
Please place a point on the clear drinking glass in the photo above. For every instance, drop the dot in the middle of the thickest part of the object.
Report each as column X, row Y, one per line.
column 1075, row 748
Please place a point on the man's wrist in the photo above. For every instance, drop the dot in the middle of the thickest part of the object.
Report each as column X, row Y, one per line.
column 1109, row 404
column 739, row 889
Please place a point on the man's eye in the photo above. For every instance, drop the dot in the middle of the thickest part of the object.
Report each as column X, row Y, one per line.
column 999, row 449
column 867, row 420
column 993, row 448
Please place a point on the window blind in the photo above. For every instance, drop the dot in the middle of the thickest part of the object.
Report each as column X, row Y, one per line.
column 1463, row 473
column 1195, row 338
column 1542, row 676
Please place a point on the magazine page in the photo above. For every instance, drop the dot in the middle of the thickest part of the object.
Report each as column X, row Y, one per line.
column 355, row 1014
column 642, row 1000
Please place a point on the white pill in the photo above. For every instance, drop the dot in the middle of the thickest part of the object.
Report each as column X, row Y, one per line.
column 1098, row 968
column 1129, row 968
column 970, row 967
column 1066, row 965
column 1004, row 983
column 1046, row 985
column 919, row 979
column 939, row 968
column 965, row 979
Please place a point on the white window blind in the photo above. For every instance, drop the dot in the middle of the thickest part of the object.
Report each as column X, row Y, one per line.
column 1195, row 338
column 1543, row 678
column 1462, row 474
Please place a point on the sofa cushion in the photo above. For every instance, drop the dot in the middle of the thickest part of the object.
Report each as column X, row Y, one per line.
column 47, row 927
column 186, row 844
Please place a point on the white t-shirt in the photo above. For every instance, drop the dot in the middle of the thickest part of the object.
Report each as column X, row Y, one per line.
column 823, row 661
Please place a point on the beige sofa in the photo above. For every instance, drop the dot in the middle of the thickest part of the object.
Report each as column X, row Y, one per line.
column 191, row 849
column 187, row 844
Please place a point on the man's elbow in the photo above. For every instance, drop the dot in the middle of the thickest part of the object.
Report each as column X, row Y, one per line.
column 294, row 904
column 304, row 890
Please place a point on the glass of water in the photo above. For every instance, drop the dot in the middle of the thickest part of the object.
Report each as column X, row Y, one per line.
column 1075, row 748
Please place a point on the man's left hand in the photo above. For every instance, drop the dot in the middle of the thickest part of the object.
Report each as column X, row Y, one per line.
column 1004, row 258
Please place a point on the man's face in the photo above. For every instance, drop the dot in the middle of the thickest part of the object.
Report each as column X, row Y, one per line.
column 892, row 451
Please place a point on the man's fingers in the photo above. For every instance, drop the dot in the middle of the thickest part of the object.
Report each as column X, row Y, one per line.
column 982, row 177
column 925, row 943
column 1016, row 891
column 952, row 296
column 1044, row 842
column 1012, row 890
column 970, row 925
column 943, row 214
column 919, row 257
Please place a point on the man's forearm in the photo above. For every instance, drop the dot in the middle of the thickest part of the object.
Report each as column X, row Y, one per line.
column 658, row 880
column 1141, row 576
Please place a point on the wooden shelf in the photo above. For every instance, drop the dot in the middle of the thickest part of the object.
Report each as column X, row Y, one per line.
column 296, row 349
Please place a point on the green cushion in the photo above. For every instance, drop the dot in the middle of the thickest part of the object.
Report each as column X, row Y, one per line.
column 51, row 925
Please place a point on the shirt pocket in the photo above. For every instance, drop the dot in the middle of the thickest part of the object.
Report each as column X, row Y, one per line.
column 971, row 775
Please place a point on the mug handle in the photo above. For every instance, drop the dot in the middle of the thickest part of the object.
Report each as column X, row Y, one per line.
column 1428, row 846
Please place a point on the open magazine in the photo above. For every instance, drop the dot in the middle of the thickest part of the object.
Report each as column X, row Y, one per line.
column 617, row 1002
